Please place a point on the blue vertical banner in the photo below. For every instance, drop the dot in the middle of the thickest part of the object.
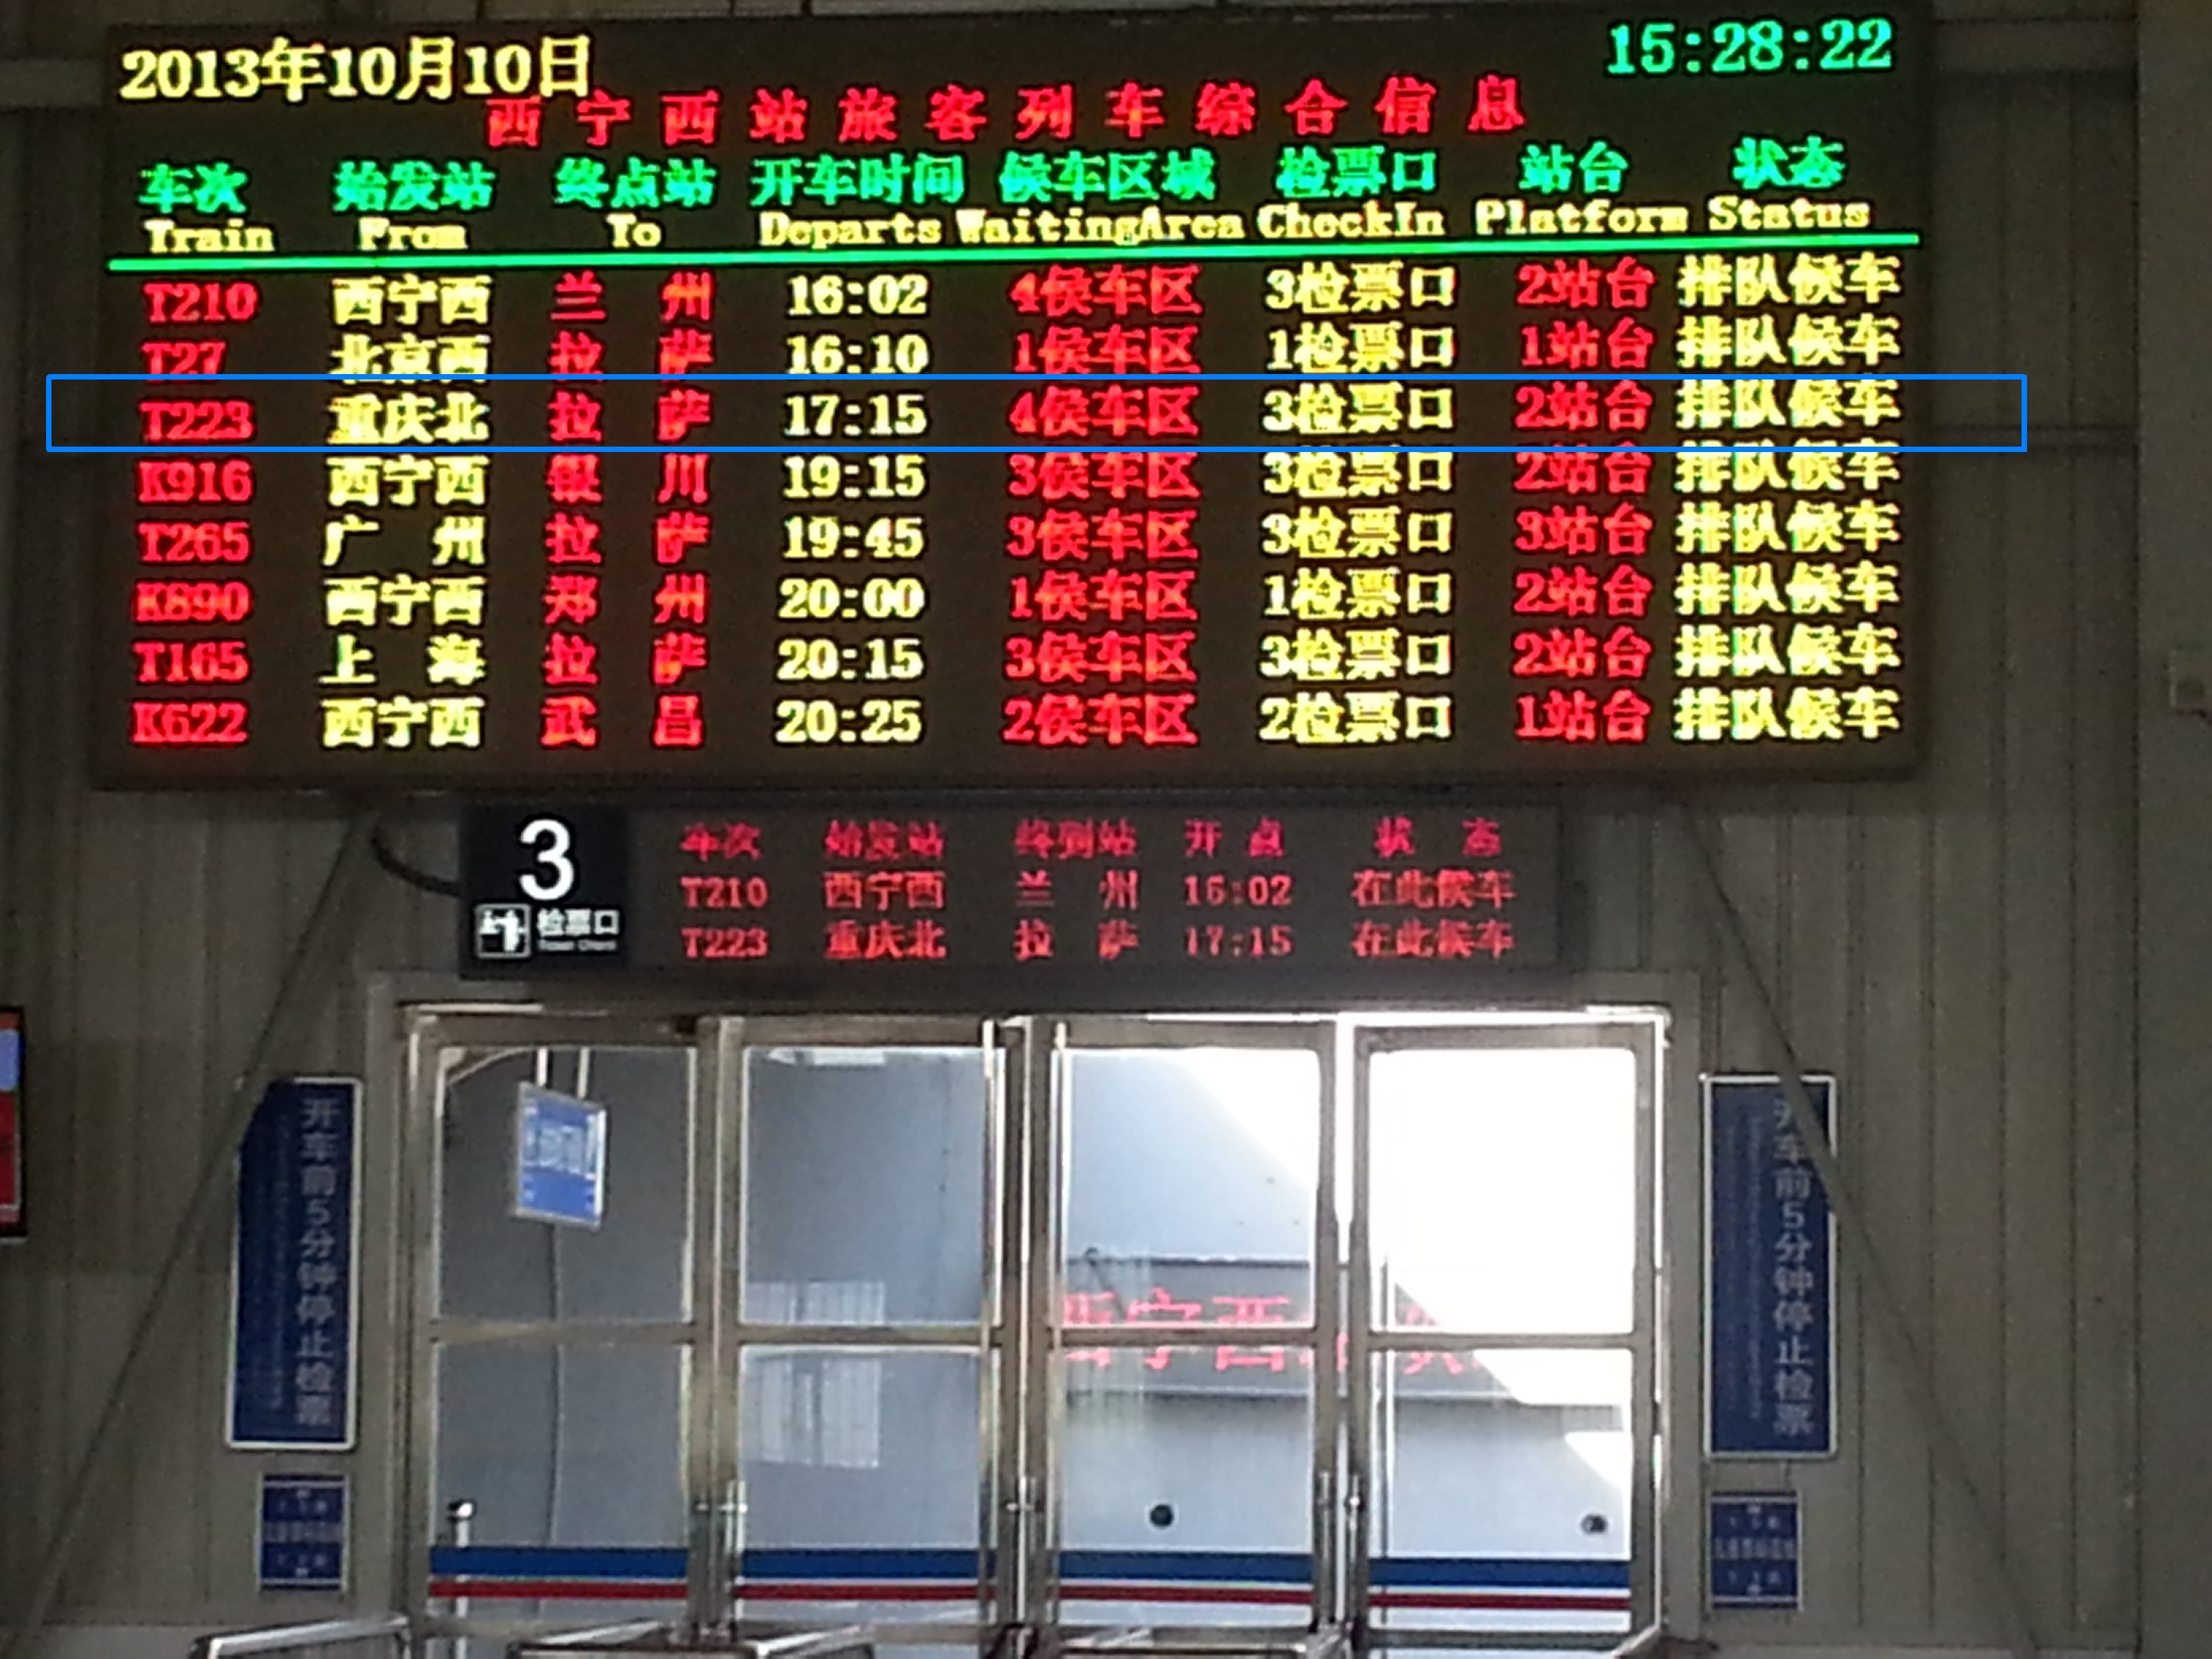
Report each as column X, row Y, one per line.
column 1752, row 1550
column 295, row 1269
column 1770, row 1275
column 301, row 1544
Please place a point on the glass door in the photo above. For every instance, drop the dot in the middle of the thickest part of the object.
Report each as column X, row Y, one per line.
column 864, row 1336
column 1193, row 1413
column 1501, row 1305
column 1230, row 1326
column 561, row 1372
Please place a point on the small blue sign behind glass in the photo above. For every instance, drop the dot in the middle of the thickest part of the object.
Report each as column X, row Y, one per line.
column 560, row 1158
column 1752, row 1550
column 293, row 1272
column 303, row 1532
column 1770, row 1275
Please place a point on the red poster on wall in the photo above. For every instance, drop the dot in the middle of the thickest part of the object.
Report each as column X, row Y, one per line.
column 11, row 1124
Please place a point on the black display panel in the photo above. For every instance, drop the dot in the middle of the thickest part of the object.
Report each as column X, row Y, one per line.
column 1026, row 402
column 1065, row 901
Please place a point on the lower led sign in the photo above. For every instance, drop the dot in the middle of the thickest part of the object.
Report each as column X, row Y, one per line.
column 1093, row 903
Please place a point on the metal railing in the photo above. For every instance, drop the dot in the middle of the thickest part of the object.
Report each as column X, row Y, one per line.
column 324, row 1639
column 1140, row 1639
column 1654, row 1643
column 660, row 1636
column 859, row 1641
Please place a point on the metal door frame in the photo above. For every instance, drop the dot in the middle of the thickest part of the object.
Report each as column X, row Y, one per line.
column 1643, row 1037
column 1019, row 1334
column 987, row 1336
column 1318, row 1034
column 429, row 1037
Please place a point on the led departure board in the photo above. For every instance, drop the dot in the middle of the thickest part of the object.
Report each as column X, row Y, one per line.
column 1175, row 401
column 1091, row 902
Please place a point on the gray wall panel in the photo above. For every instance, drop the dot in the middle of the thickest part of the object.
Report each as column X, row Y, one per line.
column 1613, row 854
column 2036, row 1036
column 2101, row 315
column 1814, row 903
column 1889, row 1126
column 1964, row 1008
column 2039, row 672
column 2104, row 1144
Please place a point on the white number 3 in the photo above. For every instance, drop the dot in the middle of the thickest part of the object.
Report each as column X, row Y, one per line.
column 550, row 840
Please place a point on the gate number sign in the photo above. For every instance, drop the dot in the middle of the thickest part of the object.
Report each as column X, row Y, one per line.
column 545, row 886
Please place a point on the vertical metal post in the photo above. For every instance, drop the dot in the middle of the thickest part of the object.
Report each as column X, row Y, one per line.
column 1328, row 1324
column 460, row 1530
column 731, row 1273
column 1360, row 1383
column 1643, row 1553
column 710, row 1451
column 1048, row 1411
column 707, row 1570
column 1035, row 1143
column 994, row 1380
column 1009, row 1527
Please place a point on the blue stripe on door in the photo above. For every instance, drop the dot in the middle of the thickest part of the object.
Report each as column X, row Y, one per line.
column 534, row 1561
column 839, row 1564
column 1189, row 1566
column 831, row 1565
column 1496, row 1572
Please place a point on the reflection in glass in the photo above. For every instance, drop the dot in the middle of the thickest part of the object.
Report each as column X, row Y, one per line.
column 1503, row 1478
column 568, row 1445
column 1502, row 1189
column 1176, row 1459
column 865, row 1185
column 1191, row 1186
column 861, row 1468
column 492, row 1266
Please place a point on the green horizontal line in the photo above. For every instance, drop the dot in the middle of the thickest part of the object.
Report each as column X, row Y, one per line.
column 998, row 252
